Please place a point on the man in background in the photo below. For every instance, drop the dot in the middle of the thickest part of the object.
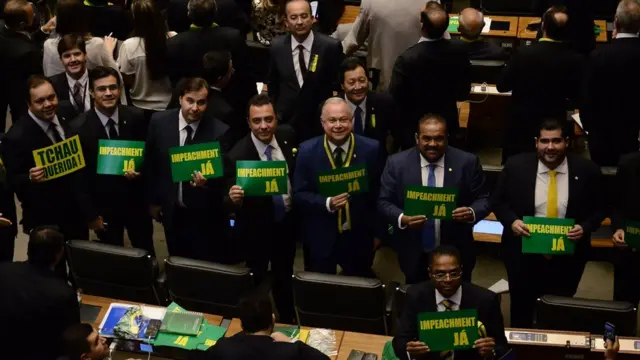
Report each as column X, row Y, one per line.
column 580, row 30
column 73, row 84
column 82, row 342
column 471, row 23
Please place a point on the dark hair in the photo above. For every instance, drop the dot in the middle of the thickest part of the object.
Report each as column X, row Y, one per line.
column 551, row 124
column 101, row 72
column 431, row 116
column 71, row 17
column 446, row 250
column 202, row 13
column 553, row 28
column 45, row 243
column 70, row 42
column 75, row 340
column 432, row 26
column 256, row 313
column 15, row 14
column 149, row 25
column 349, row 64
column 191, row 84
column 216, row 65
column 35, row 81
column 258, row 100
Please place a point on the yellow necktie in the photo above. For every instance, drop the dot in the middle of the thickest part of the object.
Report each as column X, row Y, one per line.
column 552, row 195
column 448, row 306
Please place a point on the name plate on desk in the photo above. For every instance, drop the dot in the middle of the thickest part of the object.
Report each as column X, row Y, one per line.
column 542, row 337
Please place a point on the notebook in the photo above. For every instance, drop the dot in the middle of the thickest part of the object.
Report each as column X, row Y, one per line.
column 185, row 323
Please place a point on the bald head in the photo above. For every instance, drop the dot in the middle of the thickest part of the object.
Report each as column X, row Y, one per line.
column 627, row 19
column 18, row 14
column 471, row 23
column 434, row 19
column 554, row 23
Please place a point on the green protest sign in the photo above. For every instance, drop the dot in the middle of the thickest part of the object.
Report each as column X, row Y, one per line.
column 116, row 157
column 454, row 21
column 548, row 236
column 632, row 234
column 262, row 178
column 352, row 180
column 448, row 330
column 205, row 157
column 432, row 202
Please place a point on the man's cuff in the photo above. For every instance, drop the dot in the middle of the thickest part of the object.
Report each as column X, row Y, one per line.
column 473, row 213
column 400, row 222
column 328, row 205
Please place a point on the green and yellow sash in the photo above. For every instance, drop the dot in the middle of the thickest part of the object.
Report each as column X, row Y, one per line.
column 346, row 163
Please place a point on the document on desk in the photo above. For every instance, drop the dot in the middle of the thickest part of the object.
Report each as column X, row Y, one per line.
column 487, row 25
column 576, row 118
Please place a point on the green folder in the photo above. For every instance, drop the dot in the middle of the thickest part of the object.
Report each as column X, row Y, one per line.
column 185, row 323
column 388, row 353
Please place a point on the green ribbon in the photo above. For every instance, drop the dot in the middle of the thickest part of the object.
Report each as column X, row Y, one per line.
column 196, row 27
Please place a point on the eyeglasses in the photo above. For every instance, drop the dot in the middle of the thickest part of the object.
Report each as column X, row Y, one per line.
column 334, row 121
column 442, row 275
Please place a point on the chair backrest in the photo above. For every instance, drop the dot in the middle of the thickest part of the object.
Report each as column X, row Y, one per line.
column 486, row 71
column 586, row 315
column 113, row 271
column 207, row 287
column 340, row 302
column 399, row 301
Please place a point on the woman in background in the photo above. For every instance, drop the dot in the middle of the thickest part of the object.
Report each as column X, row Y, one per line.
column 267, row 20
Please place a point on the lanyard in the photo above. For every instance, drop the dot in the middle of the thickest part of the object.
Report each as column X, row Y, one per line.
column 347, row 162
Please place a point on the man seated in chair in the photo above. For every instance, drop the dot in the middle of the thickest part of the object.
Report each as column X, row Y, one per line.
column 447, row 292
column 257, row 341
column 82, row 342
column 471, row 23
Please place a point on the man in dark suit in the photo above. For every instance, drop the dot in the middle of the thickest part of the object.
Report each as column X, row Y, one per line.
column 33, row 294
column 21, row 57
column 448, row 292
column 303, row 71
column 626, row 261
column 580, row 34
column 431, row 162
column 471, row 23
column 338, row 230
column 610, row 116
column 545, row 80
column 186, row 51
column 372, row 112
column 82, row 342
column 73, row 84
column 524, row 188
column 8, row 217
column 257, row 339
column 266, row 225
column 230, row 14
column 194, row 216
column 430, row 77
column 118, row 199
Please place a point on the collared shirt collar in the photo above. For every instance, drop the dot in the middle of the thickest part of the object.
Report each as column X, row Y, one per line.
column 307, row 43
column 424, row 162
column 262, row 147
column 456, row 298
column 45, row 124
column 423, row 39
column 563, row 168
column 345, row 146
column 104, row 118
column 352, row 106
column 83, row 80
column 626, row 36
column 182, row 122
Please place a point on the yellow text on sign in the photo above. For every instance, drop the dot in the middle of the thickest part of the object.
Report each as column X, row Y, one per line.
column 558, row 244
column 354, row 186
column 460, row 338
column 439, row 210
column 207, row 168
column 181, row 340
column 61, row 158
column 129, row 165
column 271, row 186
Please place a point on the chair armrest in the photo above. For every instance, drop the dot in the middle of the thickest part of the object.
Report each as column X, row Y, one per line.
column 161, row 289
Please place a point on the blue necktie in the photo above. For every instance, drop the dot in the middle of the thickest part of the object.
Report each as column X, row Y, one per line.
column 357, row 121
column 278, row 202
column 429, row 228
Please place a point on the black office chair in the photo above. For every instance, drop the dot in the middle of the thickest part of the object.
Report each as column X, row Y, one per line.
column 340, row 302
column 585, row 315
column 486, row 71
column 114, row 271
column 207, row 287
column 396, row 306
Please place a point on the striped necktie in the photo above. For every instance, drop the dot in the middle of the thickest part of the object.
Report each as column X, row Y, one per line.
column 448, row 306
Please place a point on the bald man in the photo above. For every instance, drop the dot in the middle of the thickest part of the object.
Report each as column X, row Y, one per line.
column 338, row 228
column 471, row 22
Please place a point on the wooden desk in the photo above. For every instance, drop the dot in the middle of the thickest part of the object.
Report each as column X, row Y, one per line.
column 523, row 33
column 511, row 33
column 364, row 342
column 351, row 12
column 602, row 38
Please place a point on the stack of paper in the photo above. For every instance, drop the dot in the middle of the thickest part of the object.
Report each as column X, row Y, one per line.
column 207, row 336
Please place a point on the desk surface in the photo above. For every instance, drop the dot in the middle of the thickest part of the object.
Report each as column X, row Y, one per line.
column 350, row 14
column 513, row 26
column 523, row 33
column 364, row 342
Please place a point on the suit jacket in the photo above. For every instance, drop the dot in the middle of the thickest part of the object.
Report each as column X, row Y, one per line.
column 430, row 77
column 422, row 298
column 110, row 193
column 220, row 108
column 380, row 107
column 462, row 171
column 230, row 14
column 253, row 347
column 300, row 107
column 320, row 229
column 514, row 197
column 626, row 206
column 107, row 19
column 255, row 217
column 53, row 202
column 580, row 32
column 61, row 86
column 163, row 135
column 34, row 295
column 482, row 49
column 618, row 135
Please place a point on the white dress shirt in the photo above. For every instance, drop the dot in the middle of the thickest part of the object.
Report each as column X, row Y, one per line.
column 542, row 189
column 182, row 127
column 84, row 82
column 455, row 300
column 104, row 119
column 307, row 43
column 45, row 126
column 363, row 108
column 276, row 154
column 345, row 150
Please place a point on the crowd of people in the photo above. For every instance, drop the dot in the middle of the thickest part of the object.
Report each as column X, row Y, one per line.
column 180, row 74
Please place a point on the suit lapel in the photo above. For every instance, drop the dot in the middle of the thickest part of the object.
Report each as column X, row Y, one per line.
column 464, row 302
column 96, row 126
column 174, row 130
column 573, row 181
column 288, row 59
column 529, row 185
column 40, row 134
column 250, row 148
column 450, row 172
column 124, row 123
column 414, row 171
column 316, row 49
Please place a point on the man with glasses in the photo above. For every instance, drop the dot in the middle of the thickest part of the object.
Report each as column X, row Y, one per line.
column 432, row 163
column 339, row 229
column 448, row 292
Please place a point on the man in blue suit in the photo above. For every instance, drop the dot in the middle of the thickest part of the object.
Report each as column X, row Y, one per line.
column 194, row 215
column 337, row 230
column 435, row 164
